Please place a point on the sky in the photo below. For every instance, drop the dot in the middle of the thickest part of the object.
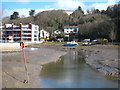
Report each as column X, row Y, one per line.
column 24, row 6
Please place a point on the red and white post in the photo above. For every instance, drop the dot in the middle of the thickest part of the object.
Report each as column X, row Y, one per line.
column 25, row 62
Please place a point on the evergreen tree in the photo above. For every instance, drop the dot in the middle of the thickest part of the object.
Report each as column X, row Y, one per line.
column 15, row 15
column 79, row 8
column 31, row 12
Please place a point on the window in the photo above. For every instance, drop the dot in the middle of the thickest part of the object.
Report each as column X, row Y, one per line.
column 16, row 35
column 35, row 35
column 16, row 32
column 26, row 31
column 17, row 28
column 36, row 28
column 9, row 28
column 75, row 30
column 35, row 31
column 16, row 40
column 35, row 39
column 25, row 28
column 26, row 35
column 25, row 39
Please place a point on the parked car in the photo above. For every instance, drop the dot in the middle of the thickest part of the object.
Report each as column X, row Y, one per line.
column 95, row 42
column 86, row 44
column 100, row 41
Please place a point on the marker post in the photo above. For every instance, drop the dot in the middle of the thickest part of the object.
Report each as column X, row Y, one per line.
column 25, row 63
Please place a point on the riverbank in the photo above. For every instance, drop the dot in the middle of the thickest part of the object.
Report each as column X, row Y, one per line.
column 103, row 58
column 13, row 71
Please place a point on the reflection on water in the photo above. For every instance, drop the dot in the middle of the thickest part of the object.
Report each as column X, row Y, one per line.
column 72, row 72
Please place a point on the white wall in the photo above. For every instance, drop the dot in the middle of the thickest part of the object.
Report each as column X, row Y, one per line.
column 9, row 46
column 46, row 34
column 35, row 29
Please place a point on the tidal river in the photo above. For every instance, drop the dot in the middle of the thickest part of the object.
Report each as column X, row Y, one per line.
column 71, row 71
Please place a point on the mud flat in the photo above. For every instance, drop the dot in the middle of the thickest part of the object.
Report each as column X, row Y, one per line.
column 13, row 71
column 103, row 58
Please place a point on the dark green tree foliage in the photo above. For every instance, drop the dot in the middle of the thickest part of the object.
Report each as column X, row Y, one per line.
column 15, row 15
column 103, row 12
column 96, row 26
column 96, row 30
column 31, row 12
column 114, row 13
column 96, row 11
column 79, row 8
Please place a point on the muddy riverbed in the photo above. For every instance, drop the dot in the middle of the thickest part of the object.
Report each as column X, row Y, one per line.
column 13, row 72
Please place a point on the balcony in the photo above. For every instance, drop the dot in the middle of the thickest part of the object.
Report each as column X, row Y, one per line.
column 16, row 30
column 25, row 29
column 16, row 37
column 26, row 37
column 26, row 33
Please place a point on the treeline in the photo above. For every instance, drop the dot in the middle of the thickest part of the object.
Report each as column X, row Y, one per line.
column 95, row 24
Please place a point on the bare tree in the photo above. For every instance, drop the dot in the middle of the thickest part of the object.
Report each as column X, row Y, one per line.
column 113, row 35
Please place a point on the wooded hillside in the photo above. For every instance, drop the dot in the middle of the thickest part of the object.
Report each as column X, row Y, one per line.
column 94, row 24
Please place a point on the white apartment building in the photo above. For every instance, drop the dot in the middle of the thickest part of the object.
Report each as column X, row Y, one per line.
column 44, row 34
column 70, row 29
column 0, row 33
column 17, row 33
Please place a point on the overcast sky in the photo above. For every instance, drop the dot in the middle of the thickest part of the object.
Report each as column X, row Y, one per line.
column 24, row 6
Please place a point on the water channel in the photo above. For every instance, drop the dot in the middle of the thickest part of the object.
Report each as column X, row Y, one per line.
column 71, row 71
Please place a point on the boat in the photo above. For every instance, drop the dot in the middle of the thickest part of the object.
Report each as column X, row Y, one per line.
column 72, row 43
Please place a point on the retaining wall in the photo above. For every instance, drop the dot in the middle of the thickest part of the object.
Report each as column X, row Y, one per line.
column 9, row 46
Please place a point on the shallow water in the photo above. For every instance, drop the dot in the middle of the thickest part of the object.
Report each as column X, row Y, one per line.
column 71, row 71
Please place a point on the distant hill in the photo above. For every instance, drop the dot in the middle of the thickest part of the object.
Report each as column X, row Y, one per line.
column 94, row 24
